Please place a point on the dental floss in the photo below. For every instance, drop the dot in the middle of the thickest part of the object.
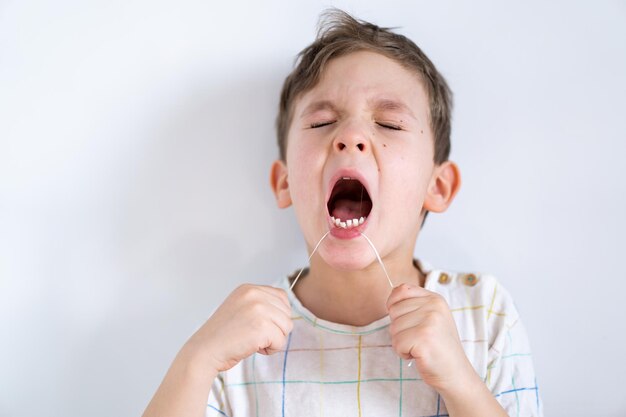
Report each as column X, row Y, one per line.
column 380, row 261
column 310, row 256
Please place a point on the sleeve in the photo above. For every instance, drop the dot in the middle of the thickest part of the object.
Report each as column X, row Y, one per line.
column 510, row 370
column 217, row 405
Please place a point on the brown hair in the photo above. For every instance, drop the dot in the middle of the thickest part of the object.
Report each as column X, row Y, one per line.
column 340, row 34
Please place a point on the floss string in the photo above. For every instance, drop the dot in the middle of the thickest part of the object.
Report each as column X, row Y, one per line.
column 380, row 261
column 310, row 256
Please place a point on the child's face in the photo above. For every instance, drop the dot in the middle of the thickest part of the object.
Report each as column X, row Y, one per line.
column 357, row 102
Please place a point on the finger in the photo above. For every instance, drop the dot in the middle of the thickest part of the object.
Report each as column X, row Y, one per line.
column 405, row 322
column 277, row 292
column 265, row 295
column 276, row 342
column 403, row 343
column 404, row 291
column 277, row 303
column 407, row 306
column 282, row 321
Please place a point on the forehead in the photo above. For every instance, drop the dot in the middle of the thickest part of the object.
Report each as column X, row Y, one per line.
column 366, row 78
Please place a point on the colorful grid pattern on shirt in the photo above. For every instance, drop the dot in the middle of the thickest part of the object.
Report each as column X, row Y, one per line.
column 328, row 369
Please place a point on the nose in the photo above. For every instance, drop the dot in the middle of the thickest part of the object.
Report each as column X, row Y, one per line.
column 352, row 138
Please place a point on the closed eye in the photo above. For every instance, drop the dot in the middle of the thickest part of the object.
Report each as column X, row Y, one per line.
column 389, row 126
column 320, row 124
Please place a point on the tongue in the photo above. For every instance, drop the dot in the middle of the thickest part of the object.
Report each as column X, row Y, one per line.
column 347, row 209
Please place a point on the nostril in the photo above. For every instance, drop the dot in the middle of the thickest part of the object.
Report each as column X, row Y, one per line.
column 360, row 146
column 341, row 146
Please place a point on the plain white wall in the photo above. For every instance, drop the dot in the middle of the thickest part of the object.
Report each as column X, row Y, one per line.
column 135, row 142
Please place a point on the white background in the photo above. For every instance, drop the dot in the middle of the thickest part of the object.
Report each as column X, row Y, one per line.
column 135, row 145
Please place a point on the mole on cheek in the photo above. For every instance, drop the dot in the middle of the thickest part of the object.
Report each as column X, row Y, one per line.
column 384, row 145
column 421, row 131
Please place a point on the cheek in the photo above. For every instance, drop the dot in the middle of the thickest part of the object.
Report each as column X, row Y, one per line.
column 302, row 149
column 304, row 168
column 408, row 174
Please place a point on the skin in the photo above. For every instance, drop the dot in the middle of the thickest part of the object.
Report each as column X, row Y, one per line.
column 403, row 182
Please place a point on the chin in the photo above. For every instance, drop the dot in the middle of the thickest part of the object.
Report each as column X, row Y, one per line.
column 347, row 259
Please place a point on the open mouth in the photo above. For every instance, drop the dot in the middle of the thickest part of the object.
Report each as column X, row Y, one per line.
column 349, row 203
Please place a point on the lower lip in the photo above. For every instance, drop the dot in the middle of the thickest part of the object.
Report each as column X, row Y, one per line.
column 341, row 233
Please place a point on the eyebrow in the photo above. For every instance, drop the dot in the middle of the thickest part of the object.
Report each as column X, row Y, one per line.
column 376, row 104
column 394, row 105
column 317, row 106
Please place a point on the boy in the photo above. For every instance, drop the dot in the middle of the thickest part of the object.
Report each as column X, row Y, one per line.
column 364, row 138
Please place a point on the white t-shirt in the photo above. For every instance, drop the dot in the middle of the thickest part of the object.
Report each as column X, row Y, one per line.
column 330, row 369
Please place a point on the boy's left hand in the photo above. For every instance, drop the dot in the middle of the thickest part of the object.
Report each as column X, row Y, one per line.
column 422, row 328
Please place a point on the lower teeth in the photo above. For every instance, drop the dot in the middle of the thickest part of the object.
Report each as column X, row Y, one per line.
column 347, row 224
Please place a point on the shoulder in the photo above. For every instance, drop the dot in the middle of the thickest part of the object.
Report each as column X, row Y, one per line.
column 478, row 301
column 481, row 290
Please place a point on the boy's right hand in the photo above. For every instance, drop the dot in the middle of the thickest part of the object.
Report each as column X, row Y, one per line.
column 253, row 318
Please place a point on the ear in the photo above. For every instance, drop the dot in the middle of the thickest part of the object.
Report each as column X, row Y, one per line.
column 279, row 183
column 444, row 184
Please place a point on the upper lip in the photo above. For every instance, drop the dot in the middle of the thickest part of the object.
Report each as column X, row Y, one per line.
column 353, row 173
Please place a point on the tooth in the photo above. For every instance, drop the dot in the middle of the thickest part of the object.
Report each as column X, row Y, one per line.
column 332, row 219
column 355, row 222
column 337, row 221
column 361, row 220
column 342, row 224
column 349, row 223
column 346, row 178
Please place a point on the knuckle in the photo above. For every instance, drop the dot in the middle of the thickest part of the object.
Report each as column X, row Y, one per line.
column 244, row 287
column 246, row 291
column 258, row 310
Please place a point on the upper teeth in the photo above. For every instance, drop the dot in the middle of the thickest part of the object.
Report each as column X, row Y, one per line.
column 347, row 224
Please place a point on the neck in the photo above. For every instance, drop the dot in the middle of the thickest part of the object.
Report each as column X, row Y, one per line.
column 355, row 298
